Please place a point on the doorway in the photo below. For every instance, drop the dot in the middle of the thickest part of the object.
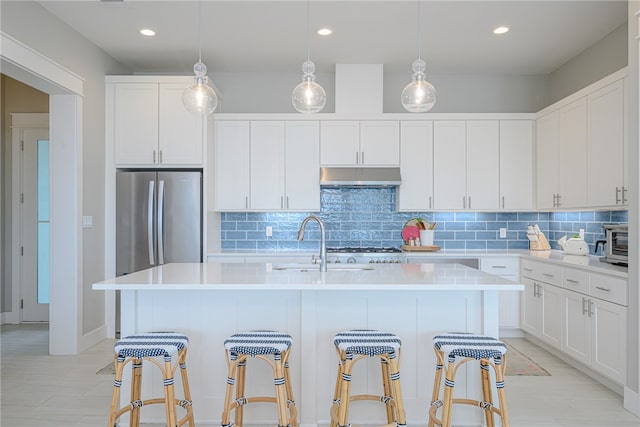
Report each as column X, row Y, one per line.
column 34, row 224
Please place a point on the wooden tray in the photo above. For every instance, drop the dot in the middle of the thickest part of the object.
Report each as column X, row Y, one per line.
column 408, row 248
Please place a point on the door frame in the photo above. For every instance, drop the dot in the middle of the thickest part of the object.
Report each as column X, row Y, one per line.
column 19, row 122
column 66, row 90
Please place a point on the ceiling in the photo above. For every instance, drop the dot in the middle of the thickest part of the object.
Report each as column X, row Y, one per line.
column 270, row 36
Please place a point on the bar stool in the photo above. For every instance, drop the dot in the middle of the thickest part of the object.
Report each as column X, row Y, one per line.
column 260, row 344
column 468, row 347
column 354, row 345
column 152, row 347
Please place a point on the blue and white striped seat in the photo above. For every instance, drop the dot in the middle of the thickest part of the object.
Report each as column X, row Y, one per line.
column 151, row 344
column 469, row 345
column 254, row 343
column 367, row 342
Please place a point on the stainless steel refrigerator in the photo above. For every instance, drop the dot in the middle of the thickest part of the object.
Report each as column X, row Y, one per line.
column 158, row 220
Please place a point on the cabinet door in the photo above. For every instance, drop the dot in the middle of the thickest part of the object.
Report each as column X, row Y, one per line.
column 546, row 160
column 483, row 164
column 606, row 145
column 136, row 124
column 551, row 329
column 416, row 166
column 516, row 165
column 232, row 165
column 302, row 166
column 449, row 165
column 180, row 131
column 609, row 335
column 339, row 143
column 576, row 334
column 530, row 307
column 380, row 143
column 267, row 165
column 572, row 154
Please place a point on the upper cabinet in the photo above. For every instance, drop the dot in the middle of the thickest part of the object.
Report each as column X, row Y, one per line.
column 581, row 149
column 267, row 165
column 416, row 166
column 606, row 147
column 466, row 164
column 516, row 165
column 150, row 125
column 360, row 143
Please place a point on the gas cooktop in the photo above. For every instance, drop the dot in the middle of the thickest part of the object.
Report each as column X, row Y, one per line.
column 363, row 250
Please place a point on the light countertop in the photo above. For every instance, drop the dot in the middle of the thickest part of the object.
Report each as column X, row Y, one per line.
column 267, row 276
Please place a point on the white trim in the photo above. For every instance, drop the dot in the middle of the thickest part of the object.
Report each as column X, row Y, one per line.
column 30, row 120
column 385, row 116
column 632, row 401
column 23, row 57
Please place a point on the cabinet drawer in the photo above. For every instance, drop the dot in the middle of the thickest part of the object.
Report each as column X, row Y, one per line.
column 608, row 288
column 505, row 266
column 542, row 272
column 575, row 280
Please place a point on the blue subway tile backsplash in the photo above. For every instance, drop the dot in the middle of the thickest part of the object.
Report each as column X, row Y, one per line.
column 368, row 217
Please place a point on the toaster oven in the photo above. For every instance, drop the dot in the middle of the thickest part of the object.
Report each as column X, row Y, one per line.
column 616, row 244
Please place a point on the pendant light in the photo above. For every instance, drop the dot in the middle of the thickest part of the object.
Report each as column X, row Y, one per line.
column 418, row 96
column 308, row 96
column 200, row 97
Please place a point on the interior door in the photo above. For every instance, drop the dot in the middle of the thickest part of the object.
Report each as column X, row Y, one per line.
column 34, row 233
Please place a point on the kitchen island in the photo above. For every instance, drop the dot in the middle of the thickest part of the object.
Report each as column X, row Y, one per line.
column 211, row 301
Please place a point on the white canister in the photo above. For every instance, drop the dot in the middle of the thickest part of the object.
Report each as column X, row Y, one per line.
column 426, row 237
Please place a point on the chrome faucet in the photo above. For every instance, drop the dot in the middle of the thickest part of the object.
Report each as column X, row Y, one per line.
column 323, row 244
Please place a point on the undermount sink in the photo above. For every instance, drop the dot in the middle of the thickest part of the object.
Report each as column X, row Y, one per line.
column 316, row 267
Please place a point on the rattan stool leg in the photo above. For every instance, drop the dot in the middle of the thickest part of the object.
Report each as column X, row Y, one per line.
column 240, row 388
column 435, row 396
column 232, row 366
column 400, row 417
column 386, row 387
column 136, row 392
column 499, row 364
column 336, row 392
column 182, row 360
column 291, row 403
column 447, row 401
column 345, row 391
column 169, row 394
column 486, row 391
column 115, row 395
column 279, row 381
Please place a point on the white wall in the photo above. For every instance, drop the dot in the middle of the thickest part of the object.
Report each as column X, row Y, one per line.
column 32, row 25
column 603, row 58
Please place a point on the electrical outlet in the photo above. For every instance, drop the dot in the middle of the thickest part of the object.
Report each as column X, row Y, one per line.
column 269, row 231
column 503, row 233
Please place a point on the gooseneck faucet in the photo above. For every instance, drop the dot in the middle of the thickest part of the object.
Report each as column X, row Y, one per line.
column 323, row 244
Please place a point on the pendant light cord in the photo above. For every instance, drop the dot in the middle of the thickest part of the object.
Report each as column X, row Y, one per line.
column 419, row 32
column 308, row 44
column 199, row 31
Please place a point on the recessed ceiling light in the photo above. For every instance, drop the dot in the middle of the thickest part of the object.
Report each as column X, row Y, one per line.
column 325, row 31
column 501, row 30
column 147, row 32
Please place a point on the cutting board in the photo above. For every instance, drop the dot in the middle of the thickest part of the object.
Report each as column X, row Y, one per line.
column 408, row 248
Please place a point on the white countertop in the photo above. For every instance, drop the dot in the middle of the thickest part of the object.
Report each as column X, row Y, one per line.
column 395, row 277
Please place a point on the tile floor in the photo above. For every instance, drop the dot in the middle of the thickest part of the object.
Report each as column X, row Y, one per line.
column 39, row 390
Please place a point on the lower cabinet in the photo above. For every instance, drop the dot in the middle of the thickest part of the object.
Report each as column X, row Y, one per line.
column 509, row 301
column 584, row 315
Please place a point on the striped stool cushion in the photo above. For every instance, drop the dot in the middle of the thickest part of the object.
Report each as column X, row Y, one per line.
column 151, row 344
column 469, row 345
column 258, row 342
column 367, row 342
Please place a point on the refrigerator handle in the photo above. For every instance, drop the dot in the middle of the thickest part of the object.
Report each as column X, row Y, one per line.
column 160, row 222
column 152, row 260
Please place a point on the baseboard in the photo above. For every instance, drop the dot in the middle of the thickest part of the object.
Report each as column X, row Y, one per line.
column 511, row 333
column 632, row 401
column 92, row 338
column 9, row 318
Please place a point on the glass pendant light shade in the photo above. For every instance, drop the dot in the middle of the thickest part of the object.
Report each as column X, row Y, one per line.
column 308, row 97
column 418, row 96
column 200, row 97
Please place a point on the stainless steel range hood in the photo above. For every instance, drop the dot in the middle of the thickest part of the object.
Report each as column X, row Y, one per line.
column 357, row 177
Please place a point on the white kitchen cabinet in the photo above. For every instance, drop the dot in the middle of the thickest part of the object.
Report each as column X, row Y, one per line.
column 466, row 164
column 267, row 165
column 547, row 160
column 509, row 301
column 416, row 166
column 516, row 165
column 360, row 143
column 572, row 155
column 530, row 312
column 542, row 302
column 606, row 147
column 576, row 334
column 232, row 165
column 152, row 127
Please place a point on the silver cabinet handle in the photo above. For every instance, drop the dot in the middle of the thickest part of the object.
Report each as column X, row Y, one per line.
column 547, row 275
column 152, row 185
column 281, row 202
column 161, row 222
column 559, row 203
column 591, row 308
column 469, row 202
column 154, row 156
column 498, row 266
column 600, row 288
column 160, row 156
column 624, row 199
column 585, row 310
column 618, row 192
column 575, row 282
column 429, row 202
column 502, row 202
column 527, row 269
column 362, row 154
column 464, row 202
column 287, row 202
column 554, row 200
column 246, row 201
column 357, row 158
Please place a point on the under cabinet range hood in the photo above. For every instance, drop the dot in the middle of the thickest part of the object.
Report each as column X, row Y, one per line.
column 358, row 177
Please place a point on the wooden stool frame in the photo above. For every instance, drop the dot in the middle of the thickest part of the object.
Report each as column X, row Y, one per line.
column 168, row 370
column 236, row 364
column 392, row 398
column 498, row 366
